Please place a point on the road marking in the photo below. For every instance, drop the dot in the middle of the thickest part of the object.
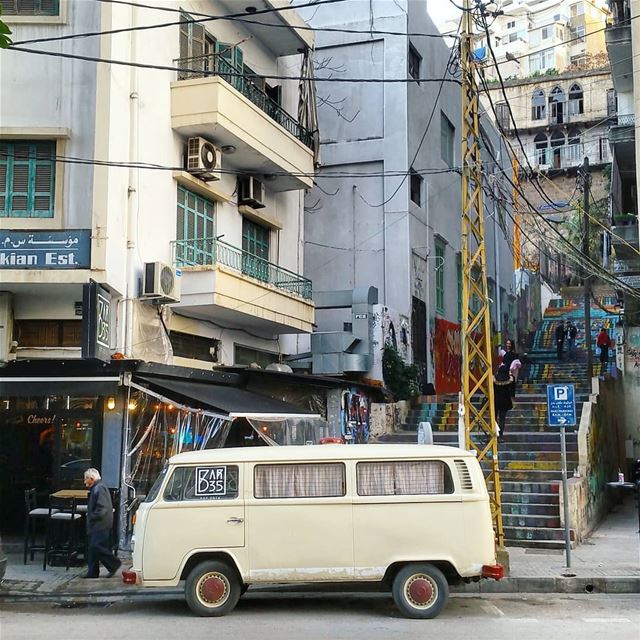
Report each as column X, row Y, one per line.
column 491, row 609
column 606, row 620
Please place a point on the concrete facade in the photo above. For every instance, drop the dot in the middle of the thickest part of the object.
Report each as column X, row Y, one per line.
column 125, row 114
column 362, row 227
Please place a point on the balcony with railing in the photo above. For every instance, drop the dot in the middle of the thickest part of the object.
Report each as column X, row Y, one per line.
column 568, row 155
column 618, row 41
column 215, row 99
column 220, row 280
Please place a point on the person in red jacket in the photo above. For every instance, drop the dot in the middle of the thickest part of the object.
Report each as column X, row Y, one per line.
column 603, row 342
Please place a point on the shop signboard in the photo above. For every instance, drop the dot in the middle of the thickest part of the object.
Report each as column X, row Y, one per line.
column 97, row 322
column 70, row 249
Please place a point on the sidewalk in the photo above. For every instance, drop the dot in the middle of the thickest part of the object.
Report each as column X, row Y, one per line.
column 608, row 562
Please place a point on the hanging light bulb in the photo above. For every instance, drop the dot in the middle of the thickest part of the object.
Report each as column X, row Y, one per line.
column 111, row 403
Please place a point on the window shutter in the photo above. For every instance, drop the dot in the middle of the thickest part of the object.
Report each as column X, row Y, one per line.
column 26, row 6
column 238, row 58
column 184, row 36
column 197, row 40
column 49, row 7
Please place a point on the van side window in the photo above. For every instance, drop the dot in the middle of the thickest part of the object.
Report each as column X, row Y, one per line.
column 219, row 482
column 403, row 478
column 325, row 480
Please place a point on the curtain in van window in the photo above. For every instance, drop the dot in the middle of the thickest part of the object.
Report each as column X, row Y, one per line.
column 300, row 480
column 419, row 477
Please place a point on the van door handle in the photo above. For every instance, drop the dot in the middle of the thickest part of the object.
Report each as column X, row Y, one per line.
column 235, row 520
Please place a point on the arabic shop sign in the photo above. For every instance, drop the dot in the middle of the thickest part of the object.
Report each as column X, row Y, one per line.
column 45, row 249
column 97, row 322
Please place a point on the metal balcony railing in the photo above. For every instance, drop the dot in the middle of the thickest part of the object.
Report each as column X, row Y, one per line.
column 625, row 120
column 209, row 251
column 568, row 155
column 216, row 65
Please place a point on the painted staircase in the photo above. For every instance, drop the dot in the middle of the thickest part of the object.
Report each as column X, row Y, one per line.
column 530, row 464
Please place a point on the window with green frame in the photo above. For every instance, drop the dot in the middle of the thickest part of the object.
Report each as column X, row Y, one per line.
column 440, row 262
column 196, row 228
column 31, row 7
column 255, row 249
column 27, row 178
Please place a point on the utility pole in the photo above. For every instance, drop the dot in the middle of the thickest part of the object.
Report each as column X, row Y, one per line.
column 586, row 280
column 477, row 371
column 517, row 260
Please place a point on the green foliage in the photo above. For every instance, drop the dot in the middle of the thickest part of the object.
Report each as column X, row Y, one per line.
column 5, row 32
column 400, row 378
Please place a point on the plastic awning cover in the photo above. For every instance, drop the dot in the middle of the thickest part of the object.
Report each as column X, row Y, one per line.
column 237, row 403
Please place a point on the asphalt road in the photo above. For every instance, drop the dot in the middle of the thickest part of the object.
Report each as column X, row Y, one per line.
column 332, row 616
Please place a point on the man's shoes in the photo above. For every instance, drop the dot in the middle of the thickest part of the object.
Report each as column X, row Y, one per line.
column 114, row 571
column 86, row 576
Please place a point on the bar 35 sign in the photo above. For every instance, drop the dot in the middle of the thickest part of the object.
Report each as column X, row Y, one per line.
column 97, row 324
column 69, row 249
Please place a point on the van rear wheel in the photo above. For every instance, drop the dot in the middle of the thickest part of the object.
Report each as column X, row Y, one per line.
column 420, row 591
column 212, row 588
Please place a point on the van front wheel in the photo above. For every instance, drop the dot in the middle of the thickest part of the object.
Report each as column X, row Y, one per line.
column 420, row 591
column 212, row 589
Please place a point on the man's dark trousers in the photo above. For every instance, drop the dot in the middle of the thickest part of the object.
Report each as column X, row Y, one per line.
column 99, row 551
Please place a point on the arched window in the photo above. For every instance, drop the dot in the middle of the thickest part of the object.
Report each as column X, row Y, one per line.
column 542, row 149
column 576, row 100
column 538, row 106
column 557, row 144
column 556, row 104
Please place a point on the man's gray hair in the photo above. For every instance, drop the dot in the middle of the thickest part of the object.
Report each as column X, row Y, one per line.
column 92, row 473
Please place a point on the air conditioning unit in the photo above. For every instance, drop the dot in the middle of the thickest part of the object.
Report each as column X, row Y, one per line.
column 161, row 283
column 251, row 192
column 204, row 159
column 544, row 167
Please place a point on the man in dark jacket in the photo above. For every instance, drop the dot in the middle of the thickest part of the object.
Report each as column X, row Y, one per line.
column 99, row 523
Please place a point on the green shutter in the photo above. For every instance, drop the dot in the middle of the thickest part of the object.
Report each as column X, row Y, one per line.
column 195, row 228
column 27, row 179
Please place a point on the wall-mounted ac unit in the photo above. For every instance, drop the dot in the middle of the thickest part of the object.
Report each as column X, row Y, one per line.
column 161, row 283
column 204, row 159
column 251, row 192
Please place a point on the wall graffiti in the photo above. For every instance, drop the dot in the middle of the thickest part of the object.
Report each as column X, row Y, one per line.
column 354, row 416
column 447, row 356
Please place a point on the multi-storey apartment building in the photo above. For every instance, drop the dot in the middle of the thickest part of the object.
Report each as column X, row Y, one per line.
column 152, row 178
column 387, row 213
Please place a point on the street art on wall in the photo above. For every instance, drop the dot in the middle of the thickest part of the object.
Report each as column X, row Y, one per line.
column 354, row 416
column 447, row 356
column 388, row 328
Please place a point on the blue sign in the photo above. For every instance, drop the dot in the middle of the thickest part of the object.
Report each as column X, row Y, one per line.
column 561, row 405
column 69, row 249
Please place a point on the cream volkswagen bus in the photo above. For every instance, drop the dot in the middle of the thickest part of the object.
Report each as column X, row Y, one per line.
column 414, row 518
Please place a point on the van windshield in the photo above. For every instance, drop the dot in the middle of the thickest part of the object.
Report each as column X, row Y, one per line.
column 155, row 489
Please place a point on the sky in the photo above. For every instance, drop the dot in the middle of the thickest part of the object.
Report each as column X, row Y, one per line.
column 441, row 11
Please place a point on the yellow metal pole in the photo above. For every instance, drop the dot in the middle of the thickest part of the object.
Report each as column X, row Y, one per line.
column 517, row 260
column 477, row 372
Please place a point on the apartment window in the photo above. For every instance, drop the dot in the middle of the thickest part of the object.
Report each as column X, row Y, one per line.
column 255, row 250
column 416, row 187
column 31, row 7
column 556, row 104
column 403, row 478
column 511, row 24
column 513, row 37
column 541, row 144
column 415, row 60
column 578, row 61
column 196, row 216
column 48, row 333
column 577, row 33
column 219, row 482
column 546, row 32
column 439, row 267
column 576, row 100
column 576, row 9
column 536, row 62
column 312, row 480
column 27, row 178
column 447, row 136
column 612, row 102
column 503, row 116
column 538, row 105
column 245, row 356
column 187, row 345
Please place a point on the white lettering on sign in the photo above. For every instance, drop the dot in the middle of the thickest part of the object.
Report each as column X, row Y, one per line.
column 17, row 260
column 211, row 481
column 103, row 313
column 56, row 259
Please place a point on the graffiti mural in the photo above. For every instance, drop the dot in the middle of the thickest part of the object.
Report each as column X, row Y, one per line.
column 354, row 416
column 447, row 356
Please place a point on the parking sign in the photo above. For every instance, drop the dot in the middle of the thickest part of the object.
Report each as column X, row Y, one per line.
column 561, row 405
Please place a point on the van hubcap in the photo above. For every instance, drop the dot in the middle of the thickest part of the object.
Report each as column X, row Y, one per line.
column 421, row 590
column 213, row 589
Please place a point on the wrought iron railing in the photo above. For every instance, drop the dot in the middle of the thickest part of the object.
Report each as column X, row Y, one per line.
column 209, row 251
column 216, row 65
column 626, row 120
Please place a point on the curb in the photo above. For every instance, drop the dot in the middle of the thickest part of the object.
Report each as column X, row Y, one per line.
column 557, row 585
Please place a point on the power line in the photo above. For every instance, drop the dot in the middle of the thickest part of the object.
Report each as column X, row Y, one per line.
column 159, row 67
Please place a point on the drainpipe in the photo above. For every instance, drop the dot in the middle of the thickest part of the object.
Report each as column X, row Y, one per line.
column 132, row 196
